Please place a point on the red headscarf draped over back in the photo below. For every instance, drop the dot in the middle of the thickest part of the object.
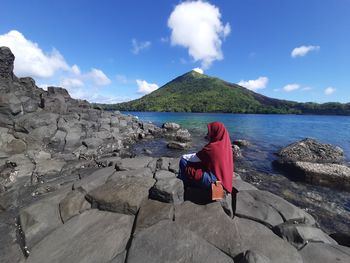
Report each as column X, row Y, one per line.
column 216, row 156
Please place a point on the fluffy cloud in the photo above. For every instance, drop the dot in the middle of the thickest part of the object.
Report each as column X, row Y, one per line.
column 139, row 46
column 30, row 59
column 70, row 83
column 98, row 77
column 144, row 87
column 197, row 25
column 329, row 91
column 199, row 70
column 255, row 84
column 303, row 50
column 291, row 87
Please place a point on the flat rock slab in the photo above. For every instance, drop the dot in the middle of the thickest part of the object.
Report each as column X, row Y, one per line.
column 167, row 241
column 248, row 206
column 94, row 236
column 287, row 210
column 122, row 196
column 326, row 174
column 95, row 179
column 256, row 237
column 164, row 175
column 298, row 234
column 142, row 172
column 168, row 190
column 42, row 217
column 318, row 252
column 253, row 257
column 210, row 223
column 241, row 185
column 151, row 212
column 132, row 163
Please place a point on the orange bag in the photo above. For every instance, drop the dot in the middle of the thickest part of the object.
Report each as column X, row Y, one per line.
column 217, row 191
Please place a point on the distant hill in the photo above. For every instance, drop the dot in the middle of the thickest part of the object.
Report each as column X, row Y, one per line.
column 195, row 92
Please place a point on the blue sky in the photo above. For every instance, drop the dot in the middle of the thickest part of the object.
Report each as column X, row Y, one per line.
column 109, row 51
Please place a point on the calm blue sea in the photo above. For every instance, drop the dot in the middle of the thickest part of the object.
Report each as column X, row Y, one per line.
column 268, row 132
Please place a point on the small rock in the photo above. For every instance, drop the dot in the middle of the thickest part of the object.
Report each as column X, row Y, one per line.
column 178, row 145
column 168, row 190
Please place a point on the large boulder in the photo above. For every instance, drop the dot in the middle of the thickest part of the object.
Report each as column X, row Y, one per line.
column 169, row 190
column 93, row 236
column 310, row 150
column 167, row 241
column 172, row 126
column 122, row 196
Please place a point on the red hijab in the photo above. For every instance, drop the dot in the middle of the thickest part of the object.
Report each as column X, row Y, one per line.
column 216, row 156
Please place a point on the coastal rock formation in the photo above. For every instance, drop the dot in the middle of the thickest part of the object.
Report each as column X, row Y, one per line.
column 166, row 230
column 315, row 163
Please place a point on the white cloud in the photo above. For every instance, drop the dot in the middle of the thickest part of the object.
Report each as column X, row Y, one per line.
column 139, row 46
column 164, row 39
column 256, row 84
column 98, row 77
column 329, row 91
column 291, row 87
column 199, row 70
column 197, row 25
column 76, row 70
column 303, row 50
column 70, row 83
column 144, row 87
column 30, row 58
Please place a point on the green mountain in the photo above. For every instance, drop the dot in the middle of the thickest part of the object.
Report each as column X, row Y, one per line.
column 195, row 92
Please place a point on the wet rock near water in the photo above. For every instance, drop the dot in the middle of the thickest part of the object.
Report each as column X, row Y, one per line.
column 315, row 163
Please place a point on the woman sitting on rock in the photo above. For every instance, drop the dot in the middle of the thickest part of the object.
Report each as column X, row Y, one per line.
column 211, row 164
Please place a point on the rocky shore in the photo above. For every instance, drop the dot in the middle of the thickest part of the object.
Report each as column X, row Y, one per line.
column 71, row 191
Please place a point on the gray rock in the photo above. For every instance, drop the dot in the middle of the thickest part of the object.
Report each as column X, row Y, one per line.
column 287, row 210
column 93, row 236
column 241, row 143
column 120, row 258
column 58, row 141
column 40, row 218
column 310, row 150
column 151, row 212
column 299, row 235
column 122, row 196
column 164, row 175
column 241, row 185
column 178, row 145
column 6, row 63
column 326, row 174
column 260, row 239
column 210, row 223
column 249, row 206
column 320, row 252
column 95, row 179
column 132, row 163
column 142, row 172
column 92, row 143
column 253, row 257
column 167, row 242
column 174, row 165
column 9, row 144
column 183, row 135
column 163, row 163
column 236, row 151
column 71, row 205
column 49, row 167
column 171, row 126
column 168, row 190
